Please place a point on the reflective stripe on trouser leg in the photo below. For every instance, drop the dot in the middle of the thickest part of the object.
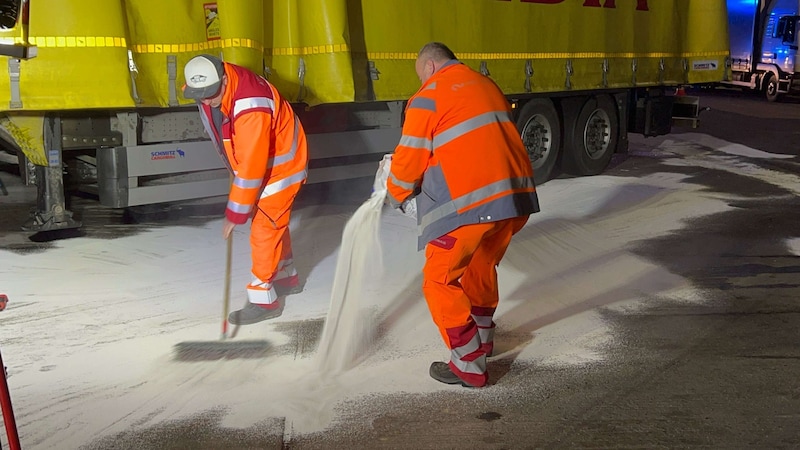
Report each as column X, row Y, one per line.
column 286, row 276
column 270, row 243
column 262, row 293
column 480, row 277
column 467, row 359
column 483, row 318
column 451, row 309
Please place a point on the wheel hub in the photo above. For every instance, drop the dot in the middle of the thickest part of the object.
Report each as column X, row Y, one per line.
column 597, row 134
column 536, row 135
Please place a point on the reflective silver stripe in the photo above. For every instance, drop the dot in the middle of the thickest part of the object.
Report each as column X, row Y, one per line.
column 401, row 183
column 475, row 196
column 470, row 347
column 428, row 104
column 483, row 321
column 478, row 366
column 247, row 183
column 416, row 142
column 277, row 186
column 282, row 159
column 469, row 125
column 244, row 104
column 261, row 292
column 486, row 334
column 430, row 86
column 238, row 207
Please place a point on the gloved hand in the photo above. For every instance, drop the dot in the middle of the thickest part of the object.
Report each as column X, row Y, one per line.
column 384, row 168
column 409, row 208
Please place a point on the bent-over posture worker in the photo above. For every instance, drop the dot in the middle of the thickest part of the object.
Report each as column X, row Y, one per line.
column 461, row 152
column 262, row 142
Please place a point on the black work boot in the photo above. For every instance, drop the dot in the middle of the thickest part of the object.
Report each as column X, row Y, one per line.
column 252, row 313
column 441, row 372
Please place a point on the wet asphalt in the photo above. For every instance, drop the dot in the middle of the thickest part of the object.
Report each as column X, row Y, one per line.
column 717, row 374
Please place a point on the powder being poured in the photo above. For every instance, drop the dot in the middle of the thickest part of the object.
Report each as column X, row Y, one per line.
column 350, row 328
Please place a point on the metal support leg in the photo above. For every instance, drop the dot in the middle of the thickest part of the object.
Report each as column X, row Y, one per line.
column 51, row 211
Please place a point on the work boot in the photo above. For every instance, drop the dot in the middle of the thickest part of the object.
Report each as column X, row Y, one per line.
column 253, row 313
column 440, row 371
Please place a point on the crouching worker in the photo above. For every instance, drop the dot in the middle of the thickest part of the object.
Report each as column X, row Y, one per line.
column 262, row 142
column 461, row 150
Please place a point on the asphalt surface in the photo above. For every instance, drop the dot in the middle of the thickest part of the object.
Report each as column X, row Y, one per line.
column 721, row 373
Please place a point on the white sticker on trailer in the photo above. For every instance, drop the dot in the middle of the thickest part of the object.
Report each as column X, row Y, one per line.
column 705, row 65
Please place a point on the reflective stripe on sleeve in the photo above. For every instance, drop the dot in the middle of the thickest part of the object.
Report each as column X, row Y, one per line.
column 427, row 104
column 416, row 142
column 469, row 125
column 401, row 183
column 247, row 183
column 238, row 208
column 247, row 104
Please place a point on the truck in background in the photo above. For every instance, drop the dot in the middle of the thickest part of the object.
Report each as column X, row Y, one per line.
column 92, row 90
column 764, row 46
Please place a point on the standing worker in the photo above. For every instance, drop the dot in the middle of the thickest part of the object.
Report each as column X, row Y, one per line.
column 462, row 159
column 262, row 142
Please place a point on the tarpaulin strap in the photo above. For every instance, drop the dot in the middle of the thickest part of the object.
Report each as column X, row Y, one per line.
column 172, row 72
column 13, row 75
column 134, row 73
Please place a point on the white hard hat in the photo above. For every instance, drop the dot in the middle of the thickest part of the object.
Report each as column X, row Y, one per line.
column 203, row 77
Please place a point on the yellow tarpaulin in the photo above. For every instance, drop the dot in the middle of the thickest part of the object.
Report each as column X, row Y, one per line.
column 101, row 54
column 131, row 53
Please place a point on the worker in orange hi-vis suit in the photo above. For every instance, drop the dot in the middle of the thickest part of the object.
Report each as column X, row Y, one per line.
column 262, row 142
column 461, row 159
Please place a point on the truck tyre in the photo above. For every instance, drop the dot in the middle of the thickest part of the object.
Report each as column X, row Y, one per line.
column 771, row 88
column 593, row 137
column 540, row 128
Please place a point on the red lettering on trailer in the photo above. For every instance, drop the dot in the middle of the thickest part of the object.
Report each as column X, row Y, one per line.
column 641, row 5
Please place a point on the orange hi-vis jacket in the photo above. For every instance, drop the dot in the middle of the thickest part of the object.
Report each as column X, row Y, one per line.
column 460, row 146
column 260, row 139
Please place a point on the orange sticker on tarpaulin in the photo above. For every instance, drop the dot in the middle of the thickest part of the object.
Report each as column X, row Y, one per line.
column 212, row 21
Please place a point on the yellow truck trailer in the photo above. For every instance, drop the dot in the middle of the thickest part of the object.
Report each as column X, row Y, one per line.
column 93, row 87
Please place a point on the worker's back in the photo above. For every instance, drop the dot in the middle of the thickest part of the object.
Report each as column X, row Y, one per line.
column 478, row 170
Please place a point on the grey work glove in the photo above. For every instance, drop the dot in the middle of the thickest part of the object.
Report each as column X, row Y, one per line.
column 409, row 208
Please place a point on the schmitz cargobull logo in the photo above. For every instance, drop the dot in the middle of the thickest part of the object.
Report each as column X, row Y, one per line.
column 167, row 154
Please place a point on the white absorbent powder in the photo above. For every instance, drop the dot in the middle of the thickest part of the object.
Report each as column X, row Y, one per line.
column 350, row 328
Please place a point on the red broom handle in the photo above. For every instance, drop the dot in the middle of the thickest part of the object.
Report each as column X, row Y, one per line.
column 8, row 411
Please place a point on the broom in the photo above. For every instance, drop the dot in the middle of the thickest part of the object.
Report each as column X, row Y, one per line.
column 222, row 349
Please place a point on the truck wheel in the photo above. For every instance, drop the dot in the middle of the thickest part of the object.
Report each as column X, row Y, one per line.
column 593, row 137
column 540, row 129
column 771, row 88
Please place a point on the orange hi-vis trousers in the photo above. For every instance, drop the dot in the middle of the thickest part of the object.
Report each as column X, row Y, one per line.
column 460, row 287
column 271, row 248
